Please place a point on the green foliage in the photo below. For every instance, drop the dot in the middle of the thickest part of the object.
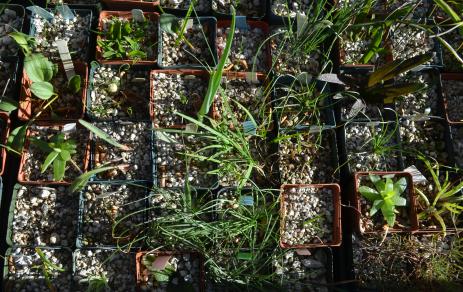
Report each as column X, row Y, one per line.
column 123, row 39
column 47, row 267
column 103, row 135
column 385, row 197
column 24, row 41
column 445, row 201
column 216, row 75
column 60, row 151
column 97, row 284
column 160, row 275
column 8, row 104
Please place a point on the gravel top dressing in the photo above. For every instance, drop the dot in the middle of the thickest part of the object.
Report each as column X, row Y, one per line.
column 45, row 216
column 9, row 22
column 453, row 93
column 200, row 6
column 249, row 8
column 176, row 93
column 120, row 94
column 309, row 216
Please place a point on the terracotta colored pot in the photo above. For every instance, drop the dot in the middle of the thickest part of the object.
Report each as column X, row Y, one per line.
column 454, row 77
column 26, row 99
column 252, row 24
column 128, row 5
column 153, row 16
column 22, row 176
column 336, row 232
column 5, row 132
column 141, row 272
column 357, row 206
column 203, row 74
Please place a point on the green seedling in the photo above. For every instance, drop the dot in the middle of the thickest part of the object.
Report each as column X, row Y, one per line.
column 386, row 196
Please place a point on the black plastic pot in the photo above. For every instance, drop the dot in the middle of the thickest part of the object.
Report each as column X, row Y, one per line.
column 124, row 240
column 92, row 164
column 13, row 85
column 9, row 285
column 19, row 9
column 211, row 23
column 345, row 164
column 136, row 116
column 82, row 13
column 326, row 115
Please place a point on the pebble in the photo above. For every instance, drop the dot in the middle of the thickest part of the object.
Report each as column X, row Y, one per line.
column 9, row 21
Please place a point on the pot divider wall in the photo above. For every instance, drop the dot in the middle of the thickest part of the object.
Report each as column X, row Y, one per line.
column 411, row 208
column 27, row 100
column 336, row 227
column 152, row 16
column 211, row 23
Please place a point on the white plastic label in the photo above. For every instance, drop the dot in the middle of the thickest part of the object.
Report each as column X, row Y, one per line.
column 417, row 176
column 41, row 12
column 65, row 56
column 68, row 128
column 66, row 12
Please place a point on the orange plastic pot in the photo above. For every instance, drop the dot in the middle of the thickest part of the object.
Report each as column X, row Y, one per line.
column 142, row 273
column 153, row 16
column 337, row 233
column 5, row 132
column 411, row 209
column 26, row 99
column 22, row 179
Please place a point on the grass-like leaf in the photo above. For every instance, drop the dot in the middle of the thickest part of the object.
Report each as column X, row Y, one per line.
column 103, row 135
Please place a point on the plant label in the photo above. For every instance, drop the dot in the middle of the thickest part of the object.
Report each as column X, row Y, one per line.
column 68, row 128
column 41, row 12
column 301, row 22
column 160, row 263
column 137, row 15
column 303, row 252
column 241, row 23
column 190, row 127
column 417, row 176
column 66, row 12
column 65, row 56
column 330, row 78
column 249, row 128
column 189, row 24
column 251, row 77
column 247, row 200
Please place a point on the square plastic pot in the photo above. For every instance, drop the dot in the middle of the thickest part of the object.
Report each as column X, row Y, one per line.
column 211, row 23
column 91, row 80
column 336, row 231
column 355, row 202
column 80, row 12
column 141, row 269
column 22, row 176
column 152, row 16
column 26, row 98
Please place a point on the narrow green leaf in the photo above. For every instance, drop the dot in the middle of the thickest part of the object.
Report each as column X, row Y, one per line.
column 59, row 167
column 48, row 161
column 216, row 76
column 369, row 193
column 401, row 185
column 80, row 182
column 103, row 135
column 17, row 138
column 377, row 204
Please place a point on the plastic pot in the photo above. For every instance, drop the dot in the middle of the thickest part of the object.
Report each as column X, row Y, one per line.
column 27, row 100
column 5, row 125
column 9, row 267
column 288, row 81
column 250, row 24
column 194, row 107
column 160, row 171
column 93, row 158
column 128, row 5
column 80, row 12
column 142, row 273
column 19, row 9
column 136, row 116
column 395, row 139
column 152, row 16
column 121, row 239
column 13, row 84
column 448, row 77
column 260, row 14
column 411, row 208
column 336, row 231
column 209, row 22
column 22, row 179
